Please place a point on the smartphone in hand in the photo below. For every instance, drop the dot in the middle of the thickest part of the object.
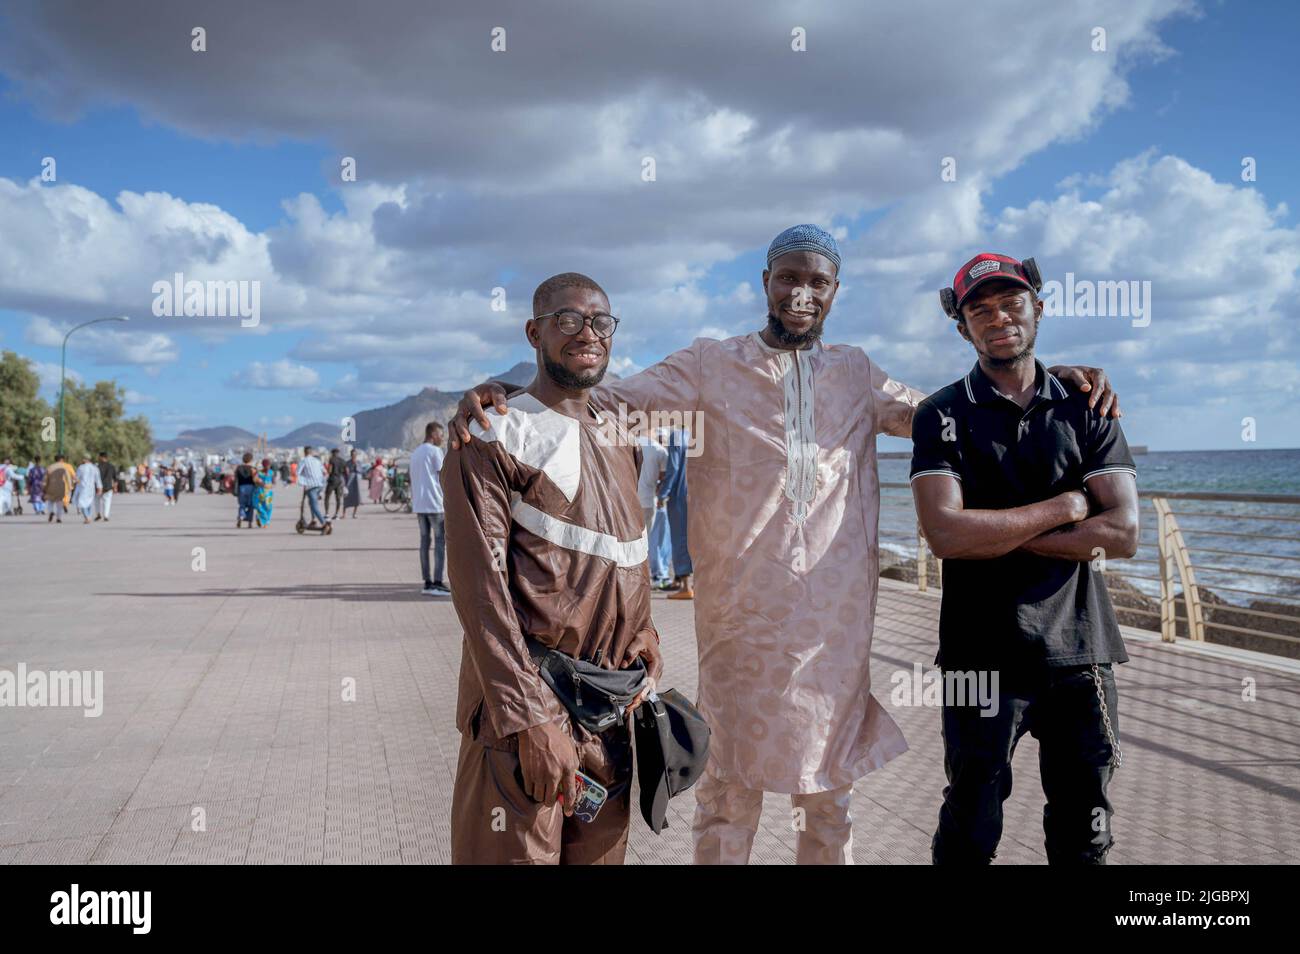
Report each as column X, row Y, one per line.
column 591, row 796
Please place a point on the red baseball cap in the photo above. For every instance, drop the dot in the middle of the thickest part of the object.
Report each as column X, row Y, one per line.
column 986, row 267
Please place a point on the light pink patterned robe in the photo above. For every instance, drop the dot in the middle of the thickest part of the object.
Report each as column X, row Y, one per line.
column 783, row 511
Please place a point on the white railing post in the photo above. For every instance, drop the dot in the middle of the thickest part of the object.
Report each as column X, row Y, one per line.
column 1168, row 625
column 1173, row 548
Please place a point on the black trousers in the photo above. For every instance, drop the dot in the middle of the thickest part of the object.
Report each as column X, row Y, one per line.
column 1060, row 708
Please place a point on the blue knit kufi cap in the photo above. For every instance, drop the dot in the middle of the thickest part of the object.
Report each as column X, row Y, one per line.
column 799, row 238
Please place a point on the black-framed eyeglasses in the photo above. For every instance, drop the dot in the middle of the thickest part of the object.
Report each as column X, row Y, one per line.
column 571, row 322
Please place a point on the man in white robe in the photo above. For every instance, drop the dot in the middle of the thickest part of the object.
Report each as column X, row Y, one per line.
column 89, row 486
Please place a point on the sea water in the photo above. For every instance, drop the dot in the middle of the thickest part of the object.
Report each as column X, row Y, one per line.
column 1235, row 471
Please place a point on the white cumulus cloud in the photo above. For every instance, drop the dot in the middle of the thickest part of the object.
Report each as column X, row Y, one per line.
column 282, row 375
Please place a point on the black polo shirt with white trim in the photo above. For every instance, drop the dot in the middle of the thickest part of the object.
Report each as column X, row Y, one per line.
column 1020, row 610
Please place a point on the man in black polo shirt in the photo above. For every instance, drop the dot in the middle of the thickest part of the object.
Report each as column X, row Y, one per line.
column 1024, row 493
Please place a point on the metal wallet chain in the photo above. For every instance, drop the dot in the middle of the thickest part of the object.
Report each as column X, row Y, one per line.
column 1117, row 754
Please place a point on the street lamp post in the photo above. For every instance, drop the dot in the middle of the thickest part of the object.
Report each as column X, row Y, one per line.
column 63, row 364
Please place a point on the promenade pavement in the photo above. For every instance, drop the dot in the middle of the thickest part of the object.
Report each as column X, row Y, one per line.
column 224, row 699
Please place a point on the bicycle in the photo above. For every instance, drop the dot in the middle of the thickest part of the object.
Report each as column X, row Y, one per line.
column 398, row 497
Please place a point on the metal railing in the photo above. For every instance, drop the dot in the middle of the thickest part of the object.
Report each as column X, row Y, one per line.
column 1214, row 567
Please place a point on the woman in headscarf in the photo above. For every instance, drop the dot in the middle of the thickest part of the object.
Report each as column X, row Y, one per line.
column 265, row 493
column 377, row 477
column 36, row 485
column 352, row 494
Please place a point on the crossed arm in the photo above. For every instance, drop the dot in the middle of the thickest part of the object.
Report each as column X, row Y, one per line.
column 1067, row 527
column 1112, row 526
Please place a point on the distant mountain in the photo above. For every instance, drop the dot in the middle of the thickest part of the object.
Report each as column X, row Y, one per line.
column 209, row 437
column 396, row 425
column 402, row 424
column 523, row 373
column 318, row 434
column 218, row 435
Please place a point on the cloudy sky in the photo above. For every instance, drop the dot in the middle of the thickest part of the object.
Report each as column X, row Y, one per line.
column 920, row 134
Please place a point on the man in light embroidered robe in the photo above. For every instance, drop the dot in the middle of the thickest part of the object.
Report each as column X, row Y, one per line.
column 783, row 528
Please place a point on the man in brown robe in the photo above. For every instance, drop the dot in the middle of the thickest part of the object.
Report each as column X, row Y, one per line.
column 545, row 540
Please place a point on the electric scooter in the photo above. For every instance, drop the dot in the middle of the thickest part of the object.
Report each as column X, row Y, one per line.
column 303, row 526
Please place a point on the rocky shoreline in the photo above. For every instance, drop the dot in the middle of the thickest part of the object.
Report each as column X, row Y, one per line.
column 1135, row 608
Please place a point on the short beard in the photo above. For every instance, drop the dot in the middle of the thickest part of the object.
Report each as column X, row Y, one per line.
column 569, row 381
column 780, row 333
column 1026, row 355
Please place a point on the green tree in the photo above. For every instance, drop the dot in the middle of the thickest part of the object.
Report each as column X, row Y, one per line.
column 74, row 420
column 93, row 422
column 23, row 415
column 92, row 419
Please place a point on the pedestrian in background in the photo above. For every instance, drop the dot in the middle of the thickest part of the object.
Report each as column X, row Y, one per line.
column 352, row 473
column 376, row 477
column 6, row 487
column 426, row 501
column 108, row 480
column 89, row 487
column 654, row 460
column 245, row 487
column 18, row 477
column 265, row 492
column 58, row 488
column 311, row 475
column 334, row 485
column 676, row 503
column 36, row 485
